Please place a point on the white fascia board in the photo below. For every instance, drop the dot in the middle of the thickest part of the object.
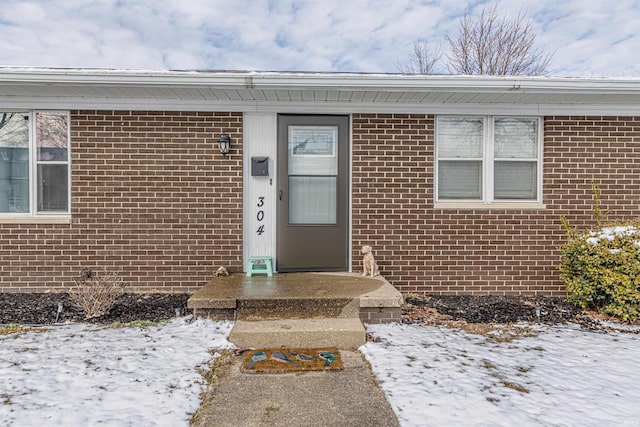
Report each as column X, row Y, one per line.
column 311, row 81
column 121, row 78
column 393, row 83
column 421, row 83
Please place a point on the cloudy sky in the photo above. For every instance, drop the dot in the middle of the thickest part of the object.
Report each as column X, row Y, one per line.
column 589, row 37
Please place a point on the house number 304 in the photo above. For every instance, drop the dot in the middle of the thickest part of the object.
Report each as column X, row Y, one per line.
column 260, row 216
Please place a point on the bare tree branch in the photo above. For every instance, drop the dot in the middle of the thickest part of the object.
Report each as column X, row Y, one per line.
column 5, row 118
column 14, row 130
column 494, row 45
column 423, row 59
column 52, row 129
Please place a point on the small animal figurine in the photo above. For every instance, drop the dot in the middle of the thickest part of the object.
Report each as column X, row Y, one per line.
column 222, row 271
column 369, row 265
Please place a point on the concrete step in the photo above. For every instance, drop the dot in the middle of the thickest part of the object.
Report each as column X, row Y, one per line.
column 298, row 296
column 296, row 308
column 344, row 333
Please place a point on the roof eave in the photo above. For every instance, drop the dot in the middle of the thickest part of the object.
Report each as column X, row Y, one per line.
column 314, row 81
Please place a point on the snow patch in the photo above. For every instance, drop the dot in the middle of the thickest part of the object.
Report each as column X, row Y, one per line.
column 610, row 233
column 80, row 374
column 563, row 376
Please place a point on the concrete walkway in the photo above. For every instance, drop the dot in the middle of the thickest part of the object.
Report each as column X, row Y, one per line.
column 334, row 398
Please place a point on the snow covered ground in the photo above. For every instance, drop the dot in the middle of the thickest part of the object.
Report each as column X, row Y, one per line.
column 81, row 375
column 563, row 376
column 84, row 375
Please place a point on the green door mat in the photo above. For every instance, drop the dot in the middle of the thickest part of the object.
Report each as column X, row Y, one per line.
column 282, row 360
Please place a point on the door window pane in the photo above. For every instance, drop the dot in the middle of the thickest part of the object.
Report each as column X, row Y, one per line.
column 52, row 136
column 459, row 180
column 312, row 150
column 312, row 200
column 459, row 137
column 516, row 138
column 515, row 180
column 14, row 162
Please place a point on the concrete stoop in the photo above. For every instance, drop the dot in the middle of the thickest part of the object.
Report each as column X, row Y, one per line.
column 299, row 309
column 344, row 333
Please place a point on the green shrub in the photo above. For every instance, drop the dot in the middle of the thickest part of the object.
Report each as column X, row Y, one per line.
column 601, row 270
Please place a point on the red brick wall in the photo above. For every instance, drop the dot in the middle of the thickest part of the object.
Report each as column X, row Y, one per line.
column 152, row 198
column 436, row 251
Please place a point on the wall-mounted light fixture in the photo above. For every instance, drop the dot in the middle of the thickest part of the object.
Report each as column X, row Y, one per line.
column 224, row 143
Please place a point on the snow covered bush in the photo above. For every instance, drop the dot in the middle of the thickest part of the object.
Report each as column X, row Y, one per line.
column 95, row 293
column 601, row 269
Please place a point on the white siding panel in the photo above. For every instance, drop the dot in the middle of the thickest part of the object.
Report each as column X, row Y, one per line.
column 283, row 95
column 332, row 95
column 260, row 140
column 308, row 95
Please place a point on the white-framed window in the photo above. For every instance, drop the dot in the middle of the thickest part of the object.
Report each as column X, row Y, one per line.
column 488, row 159
column 34, row 163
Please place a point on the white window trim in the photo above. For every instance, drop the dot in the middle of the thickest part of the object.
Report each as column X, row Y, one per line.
column 33, row 216
column 488, row 160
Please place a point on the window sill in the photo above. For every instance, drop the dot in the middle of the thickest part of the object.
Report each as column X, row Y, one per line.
column 36, row 220
column 490, row 206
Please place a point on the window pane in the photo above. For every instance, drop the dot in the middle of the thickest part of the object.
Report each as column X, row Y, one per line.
column 52, row 137
column 516, row 138
column 312, row 200
column 459, row 137
column 459, row 180
column 53, row 186
column 515, row 180
column 312, row 150
column 14, row 162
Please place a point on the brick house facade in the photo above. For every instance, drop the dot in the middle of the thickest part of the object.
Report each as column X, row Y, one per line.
column 485, row 251
column 152, row 198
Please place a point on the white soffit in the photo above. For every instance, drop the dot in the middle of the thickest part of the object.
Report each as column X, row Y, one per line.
column 339, row 92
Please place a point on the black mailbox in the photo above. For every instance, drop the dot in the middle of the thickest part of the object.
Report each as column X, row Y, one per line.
column 259, row 166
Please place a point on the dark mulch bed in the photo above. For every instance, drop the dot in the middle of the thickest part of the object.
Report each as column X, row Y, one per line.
column 500, row 309
column 41, row 308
